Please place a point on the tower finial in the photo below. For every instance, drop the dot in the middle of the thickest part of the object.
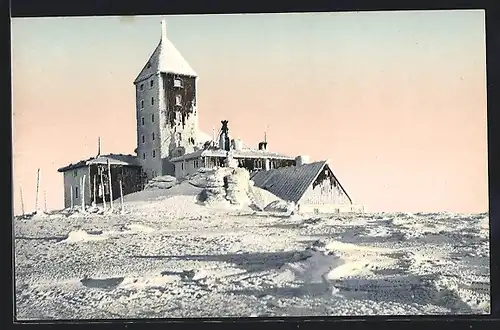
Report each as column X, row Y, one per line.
column 265, row 137
column 98, row 146
column 163, row 30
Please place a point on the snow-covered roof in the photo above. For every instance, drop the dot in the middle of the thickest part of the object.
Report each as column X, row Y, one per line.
column 291, row 182
column 165, row 59
column 114, row 159
column 235, row 154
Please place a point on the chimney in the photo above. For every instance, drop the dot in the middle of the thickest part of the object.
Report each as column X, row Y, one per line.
column 301, row 160
column 163, row 30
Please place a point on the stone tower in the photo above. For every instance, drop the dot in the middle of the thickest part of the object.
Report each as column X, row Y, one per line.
column 167, row 119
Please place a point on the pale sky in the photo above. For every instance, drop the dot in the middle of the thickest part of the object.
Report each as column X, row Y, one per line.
column 395, row 100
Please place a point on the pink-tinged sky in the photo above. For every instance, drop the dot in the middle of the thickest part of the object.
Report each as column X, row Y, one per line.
column 395, row 100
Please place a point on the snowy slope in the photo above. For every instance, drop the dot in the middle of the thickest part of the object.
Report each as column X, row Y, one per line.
column 170, row 256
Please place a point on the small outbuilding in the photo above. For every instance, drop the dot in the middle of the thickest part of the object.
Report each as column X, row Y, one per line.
column 312, row 187
column 90, row 179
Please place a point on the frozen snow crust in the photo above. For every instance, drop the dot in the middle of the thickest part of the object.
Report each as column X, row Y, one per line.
column 194, row 249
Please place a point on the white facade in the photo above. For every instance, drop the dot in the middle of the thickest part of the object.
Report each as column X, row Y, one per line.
column 148, row 128
column 72, row 186
column 187, row 167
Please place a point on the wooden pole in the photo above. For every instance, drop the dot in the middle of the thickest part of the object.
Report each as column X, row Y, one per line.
column 110, row 186
column 71, row 196
column 102, row 188
column 45, row 201
column 95, row 189
column 83, row 192
column 22, row 200
column 121, row 194
column 37, row 188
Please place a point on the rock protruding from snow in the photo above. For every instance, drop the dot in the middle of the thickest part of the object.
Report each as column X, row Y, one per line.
column 233, row 185
column 161, row 182
column 238, row 187
column 215, row 191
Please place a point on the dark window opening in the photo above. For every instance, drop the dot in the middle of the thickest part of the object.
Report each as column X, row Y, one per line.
column 154, row 153
column 151, row 83
column 153, row 136
column 142, row 104
column 142, row 121
column 76, row 192
column 153, row 118
column 152, row 101
column 141, row 87
column 143, row 155
column 143, row 139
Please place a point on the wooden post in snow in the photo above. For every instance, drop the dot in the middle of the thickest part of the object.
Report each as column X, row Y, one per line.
column 45, row 201
column 121, row 194
column 22, row 199
column 95, row 189
column 83, row 192
column 102, row 188
column 110, row 186
column 37, row 188
column 71, row 196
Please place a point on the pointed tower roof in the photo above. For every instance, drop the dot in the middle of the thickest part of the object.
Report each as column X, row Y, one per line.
column 165, row 58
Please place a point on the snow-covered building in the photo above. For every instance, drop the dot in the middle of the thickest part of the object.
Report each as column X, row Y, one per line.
column 311, row 186
column 88, row 179
column 216, row 154
column 166, row 109
column 169, row 142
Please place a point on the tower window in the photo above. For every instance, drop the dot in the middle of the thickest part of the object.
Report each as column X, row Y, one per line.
column 142, row 121
column 141, row 87
column 76, row 192
column 182, row 166
column 154, row 153
column 151, row 83
column 143, row 139
column 153, row 118
column 148, row 65
column 152, row 101
column 153, row 136
column 177, row 82
column 143, row 155
column 142, row 104
column 178, row 99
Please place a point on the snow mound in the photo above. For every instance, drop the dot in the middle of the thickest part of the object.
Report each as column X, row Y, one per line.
column 315, row 267
column 140, row 228
column 161, row 182
column 262, row 197
column 280, row 206
column 82, row 236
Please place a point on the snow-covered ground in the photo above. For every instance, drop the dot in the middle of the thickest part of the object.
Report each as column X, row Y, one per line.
column 170, row 256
